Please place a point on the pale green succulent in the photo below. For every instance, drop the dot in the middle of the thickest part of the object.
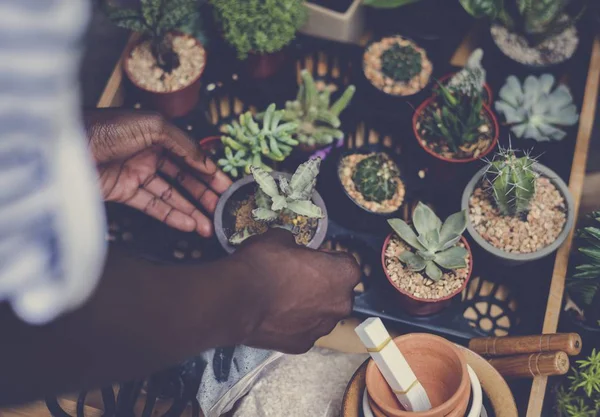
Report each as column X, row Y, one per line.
column 293, row 195
column 435, row 244
column 534, row 110
column 471, row 78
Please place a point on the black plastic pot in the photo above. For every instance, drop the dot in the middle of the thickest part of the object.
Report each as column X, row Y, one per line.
column 242, row 189
column 344, row 209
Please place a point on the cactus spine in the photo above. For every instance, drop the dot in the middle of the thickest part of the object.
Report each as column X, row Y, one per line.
column 375, row 176
column 513, row 181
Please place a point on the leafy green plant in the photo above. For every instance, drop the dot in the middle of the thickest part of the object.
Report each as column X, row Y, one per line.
column 294, row 195
column 374, row 177
column 259, row 26
column 512, row 180
column 318, row 121
column 535, row 110
column 401, row 62
column 435, row 244
column 537, row 20
column 457, row 119
column 247, row 143
column 584, row 284
column 154, row 20
column 581, row 396
column 388, row 4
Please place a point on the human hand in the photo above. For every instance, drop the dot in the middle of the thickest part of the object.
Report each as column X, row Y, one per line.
column 306, row 292
column 136, row 151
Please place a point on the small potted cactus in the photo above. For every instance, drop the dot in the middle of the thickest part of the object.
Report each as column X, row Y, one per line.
column 255, row 203
column 454, row 124
column 397, row 66
column 535, row 110
column 471, row 77
column 519, row 210
column 429, row 263
column 317, row 119
column 249, row 143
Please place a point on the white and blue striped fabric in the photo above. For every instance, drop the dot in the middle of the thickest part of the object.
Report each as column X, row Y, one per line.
column 52, row 238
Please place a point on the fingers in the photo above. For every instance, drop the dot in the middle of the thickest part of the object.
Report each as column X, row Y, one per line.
column 180, row 144
column 197, row 189
column 152, row 205
column 163, row 190
column 347, row 269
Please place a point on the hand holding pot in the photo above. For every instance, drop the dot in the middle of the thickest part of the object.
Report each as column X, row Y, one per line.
column 136, row 151
column 306, row 291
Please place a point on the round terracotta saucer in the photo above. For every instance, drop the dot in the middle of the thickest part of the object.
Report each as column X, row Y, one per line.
column 494, row 386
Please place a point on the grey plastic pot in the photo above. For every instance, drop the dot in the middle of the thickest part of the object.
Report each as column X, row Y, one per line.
column 243, row 188
column 514, row 259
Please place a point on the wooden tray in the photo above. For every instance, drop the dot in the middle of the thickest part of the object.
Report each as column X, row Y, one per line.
column 343, row 338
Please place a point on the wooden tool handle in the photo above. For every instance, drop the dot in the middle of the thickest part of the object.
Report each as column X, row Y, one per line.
column 534, row 364
column 570, row 343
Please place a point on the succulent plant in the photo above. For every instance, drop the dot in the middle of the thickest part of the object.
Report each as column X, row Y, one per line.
column 401, row 62
column 251, row 141
column 458, row 119
column 512, row 180
column 318, row 121
column 374, row 177
column 293, row 195
column 469, row 80
column 534, row 110
column 579, row 396
column 435, row 244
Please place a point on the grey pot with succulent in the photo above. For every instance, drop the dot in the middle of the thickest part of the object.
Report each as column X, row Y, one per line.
column 536, row 109
column 519, row 210
column 272, row 199
column 536, row 33
column 430, row 264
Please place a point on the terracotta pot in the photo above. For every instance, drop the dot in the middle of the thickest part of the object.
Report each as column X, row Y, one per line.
column 486, row 108
column 240, row 190
column 172, row 103
column 438, row 365
column 261, row 66
column 419, row 306
column 486, row 86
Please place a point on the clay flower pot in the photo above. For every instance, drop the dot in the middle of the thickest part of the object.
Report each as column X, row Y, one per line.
column 442, row 158
column 438, row 365
column 240, row 190
column 262, row 66
column 421, row 306
column 171, row 103
column 486, row 87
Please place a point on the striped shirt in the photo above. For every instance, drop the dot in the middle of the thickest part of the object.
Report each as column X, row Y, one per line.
column 52, row 242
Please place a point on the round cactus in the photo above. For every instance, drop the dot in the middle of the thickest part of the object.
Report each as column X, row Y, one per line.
column 401, row 63
column 375, row 177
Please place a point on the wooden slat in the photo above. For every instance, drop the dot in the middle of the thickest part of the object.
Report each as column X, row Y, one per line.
column 112, row 96
column 557, row 287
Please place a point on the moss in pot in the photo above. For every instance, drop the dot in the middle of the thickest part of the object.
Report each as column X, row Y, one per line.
column 255, row 203
column 164, row 64
column 429, row 265
column 519, row 210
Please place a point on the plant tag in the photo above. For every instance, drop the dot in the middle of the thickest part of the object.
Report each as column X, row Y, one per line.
column 393, row 366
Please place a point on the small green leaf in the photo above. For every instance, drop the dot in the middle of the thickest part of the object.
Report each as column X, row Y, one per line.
column 264, row 215
column 266, row 182
column 305, row 208
column 453, row 258
column 425, row 220
column 433, row 272
column 412, row 261
column 304, row 179
column 454, row 226
column 406, row 233
column 279, row 203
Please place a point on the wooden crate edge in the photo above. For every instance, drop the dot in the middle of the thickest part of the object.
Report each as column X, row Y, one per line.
column 112, row 94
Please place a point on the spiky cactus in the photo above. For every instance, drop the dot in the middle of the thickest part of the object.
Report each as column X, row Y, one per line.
column 435, row 244
column 318, row 121
column 252, row 142
column 512, row 180
column 374, row 177
column 471, row 78
column 401, row 62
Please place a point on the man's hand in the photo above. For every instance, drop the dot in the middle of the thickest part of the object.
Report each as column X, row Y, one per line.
column 137, row 151
column 303, row 292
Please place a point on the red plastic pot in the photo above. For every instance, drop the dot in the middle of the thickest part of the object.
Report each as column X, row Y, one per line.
column 485, row 86
column 211, row 143
column 422, row 108
column 262, row 66
column 171, row 103
column 419, row 306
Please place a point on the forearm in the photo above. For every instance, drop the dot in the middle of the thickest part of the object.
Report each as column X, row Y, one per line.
column 142, row 318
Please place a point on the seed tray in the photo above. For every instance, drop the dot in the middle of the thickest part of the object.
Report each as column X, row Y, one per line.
column 498, row 300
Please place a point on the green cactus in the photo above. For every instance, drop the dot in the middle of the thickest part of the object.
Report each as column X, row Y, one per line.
column 318, row 121
column 253, row 142
column 374, row 177
column 435, row 244
column 401, row 63
column 512, row 180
